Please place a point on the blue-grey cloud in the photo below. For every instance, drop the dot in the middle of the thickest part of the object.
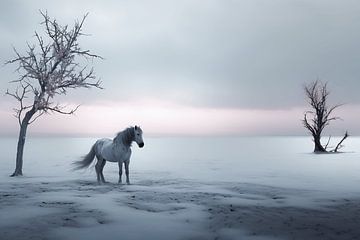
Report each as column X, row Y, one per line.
column 216, row 53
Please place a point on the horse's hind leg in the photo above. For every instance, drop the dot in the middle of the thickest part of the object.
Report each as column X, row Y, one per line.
column 101, row 171
column 98, row 168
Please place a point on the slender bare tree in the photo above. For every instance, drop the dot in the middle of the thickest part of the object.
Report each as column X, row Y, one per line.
column 48, row 68
column 320, row 115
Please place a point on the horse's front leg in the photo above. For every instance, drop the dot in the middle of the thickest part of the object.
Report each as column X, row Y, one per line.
column 127, row 172
column 120, row 171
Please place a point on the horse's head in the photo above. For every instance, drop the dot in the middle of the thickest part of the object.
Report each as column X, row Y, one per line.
column 138, row 136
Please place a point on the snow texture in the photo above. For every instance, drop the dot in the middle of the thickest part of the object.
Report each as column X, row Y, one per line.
column 183, row 189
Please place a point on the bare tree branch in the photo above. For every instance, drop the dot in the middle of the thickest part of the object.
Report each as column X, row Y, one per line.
column 327, row 143
column 59, row 109
column 338, row 146
column 52, row 64
column 317, row 95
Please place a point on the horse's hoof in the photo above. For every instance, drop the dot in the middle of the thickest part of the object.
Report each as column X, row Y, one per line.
column 128, row 183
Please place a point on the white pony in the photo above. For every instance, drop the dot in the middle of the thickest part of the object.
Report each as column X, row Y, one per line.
column 116, row 150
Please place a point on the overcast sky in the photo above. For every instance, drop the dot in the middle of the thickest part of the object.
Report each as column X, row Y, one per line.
column 193, row 67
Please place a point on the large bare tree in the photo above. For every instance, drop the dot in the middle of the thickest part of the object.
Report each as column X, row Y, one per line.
column 50, row 67
column 320, row 116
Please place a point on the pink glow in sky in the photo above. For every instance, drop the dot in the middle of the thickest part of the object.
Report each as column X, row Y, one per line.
column 164, row 118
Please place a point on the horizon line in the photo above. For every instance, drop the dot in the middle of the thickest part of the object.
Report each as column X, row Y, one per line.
column 52, row 135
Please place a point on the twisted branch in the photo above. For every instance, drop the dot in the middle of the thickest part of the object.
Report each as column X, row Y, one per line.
column 50, row 68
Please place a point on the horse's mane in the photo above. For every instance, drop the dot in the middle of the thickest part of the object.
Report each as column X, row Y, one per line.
column 126, row 136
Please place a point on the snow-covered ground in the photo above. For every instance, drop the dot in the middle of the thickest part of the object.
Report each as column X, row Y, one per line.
column 184, row 188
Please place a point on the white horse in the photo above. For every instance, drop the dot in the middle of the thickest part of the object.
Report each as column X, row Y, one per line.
column 116, row 150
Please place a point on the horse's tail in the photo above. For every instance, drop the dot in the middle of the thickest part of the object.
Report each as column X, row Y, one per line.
column 86, row 160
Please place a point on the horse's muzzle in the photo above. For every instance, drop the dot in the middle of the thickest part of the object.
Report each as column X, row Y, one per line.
column 141, row 145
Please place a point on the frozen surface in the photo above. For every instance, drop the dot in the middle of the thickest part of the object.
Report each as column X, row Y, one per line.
column 184, row 188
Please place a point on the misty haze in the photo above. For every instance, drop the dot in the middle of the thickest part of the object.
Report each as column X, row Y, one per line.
column 233, row 119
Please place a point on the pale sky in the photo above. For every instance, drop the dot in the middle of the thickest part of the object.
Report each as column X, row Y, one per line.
column 197, row 67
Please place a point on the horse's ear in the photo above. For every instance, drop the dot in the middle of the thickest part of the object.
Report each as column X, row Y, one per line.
column 136, row 127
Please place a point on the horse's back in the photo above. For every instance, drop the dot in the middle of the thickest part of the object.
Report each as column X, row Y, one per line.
column 100, row 142
column 100, row 145
column 103, row 140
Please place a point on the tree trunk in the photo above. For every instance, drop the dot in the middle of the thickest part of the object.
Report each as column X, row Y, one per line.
column 21, row 142
column 318, row 147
